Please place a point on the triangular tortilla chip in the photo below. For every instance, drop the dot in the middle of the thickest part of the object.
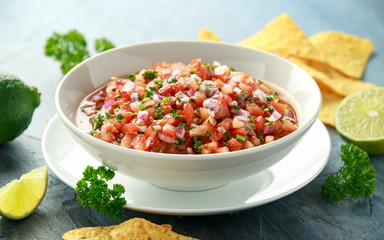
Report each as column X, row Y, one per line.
column 283, row 37
column 341, row 85
column 208, row 35
column 346, row 53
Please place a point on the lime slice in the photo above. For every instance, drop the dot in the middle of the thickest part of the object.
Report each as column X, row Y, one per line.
column 19, row 198
column 360, row 119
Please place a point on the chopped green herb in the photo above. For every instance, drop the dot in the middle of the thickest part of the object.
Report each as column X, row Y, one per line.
column 197, row 143
column 149, row 75
column 232, row 69
column 251, row 118
column 92, row 191
column 159, row 113
column 97, row 121
column 240, row 138
column 108, row 116
column 132, row 76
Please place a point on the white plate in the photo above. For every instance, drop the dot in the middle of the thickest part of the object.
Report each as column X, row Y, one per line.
column 68, row 160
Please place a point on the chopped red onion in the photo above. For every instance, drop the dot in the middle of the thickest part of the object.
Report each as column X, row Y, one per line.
column 232, row 104
column 108, row 103
column 166, row 138
column 260, row 94
column 184, row 99
column 210, row 103
column 148, row 142
column 274, row 117
column 134, row 96
column 244, row 112
column 157, row 97
column 191, row 92
column 119, row 82
column 255, row 99
column 242, row 118
column 142, row 128
column 176, row 73
column 237, row 90
column 99, row 96
column 180, row 131
column 156, row 127
column 268, row 129
column 235, row 111
column 143, row 115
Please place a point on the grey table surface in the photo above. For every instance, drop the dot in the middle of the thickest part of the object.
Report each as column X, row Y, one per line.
column 24, row 28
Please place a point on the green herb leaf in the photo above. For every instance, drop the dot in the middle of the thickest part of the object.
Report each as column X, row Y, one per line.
column 150, row 75
column 356, row 178
column 70, row 49
column 92, row 191
column 97, row 121
column 103, row 44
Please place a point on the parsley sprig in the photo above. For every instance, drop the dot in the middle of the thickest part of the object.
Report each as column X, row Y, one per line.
column 356, row 178
column 92, row 191
column 71, row 48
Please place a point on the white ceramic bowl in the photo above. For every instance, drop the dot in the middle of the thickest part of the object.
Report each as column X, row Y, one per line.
column 178, row 171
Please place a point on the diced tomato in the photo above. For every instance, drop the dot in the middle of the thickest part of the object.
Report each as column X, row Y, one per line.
column 259, row 123
column 240, row 131
column 198, row 99
column 204, row 113
column 235, row 144
column 226, row 123
column 138, row 142
column 280, row 107
column 188, row 112
column 169, row 130
column 254, row 109
column 222, row 149
column 193, row 84
column 130, row 128
column 205, row 129
column 151, row 131
column 222, row 109
column 126, row 141
column 105, row 136
column 166, row 90
column 111, row 129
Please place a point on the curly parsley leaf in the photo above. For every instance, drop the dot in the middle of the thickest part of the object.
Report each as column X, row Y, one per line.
column 70, row 49
column 92, row 191
column 356, row 178
column 103, row 44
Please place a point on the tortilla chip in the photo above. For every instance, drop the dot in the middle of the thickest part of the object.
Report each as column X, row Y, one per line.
column 346, row 53
column 341, row 85
column 283, row 37
column 136, row 228
column 330, row 101
column 208, row 35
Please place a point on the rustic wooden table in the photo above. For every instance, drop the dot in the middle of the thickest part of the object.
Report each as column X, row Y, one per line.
column 24, row 28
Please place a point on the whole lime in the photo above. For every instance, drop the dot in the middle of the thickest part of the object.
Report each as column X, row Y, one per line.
column 18, row 102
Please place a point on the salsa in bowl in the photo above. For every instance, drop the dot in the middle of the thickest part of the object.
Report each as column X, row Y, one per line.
column 182, row 162
column 198, row 108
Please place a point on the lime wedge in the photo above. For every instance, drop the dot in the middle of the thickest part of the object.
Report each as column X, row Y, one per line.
column 359, row 119
column 19, row 198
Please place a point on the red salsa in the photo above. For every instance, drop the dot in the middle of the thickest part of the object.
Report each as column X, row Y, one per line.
column 197, row 108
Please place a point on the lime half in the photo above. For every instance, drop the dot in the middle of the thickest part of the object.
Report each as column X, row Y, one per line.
column 19, row 198
column 360, row 119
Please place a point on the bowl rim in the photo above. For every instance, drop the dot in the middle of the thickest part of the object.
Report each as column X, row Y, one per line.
column 265, row 147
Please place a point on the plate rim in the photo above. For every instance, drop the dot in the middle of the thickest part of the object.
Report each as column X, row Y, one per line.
column 278, row 193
